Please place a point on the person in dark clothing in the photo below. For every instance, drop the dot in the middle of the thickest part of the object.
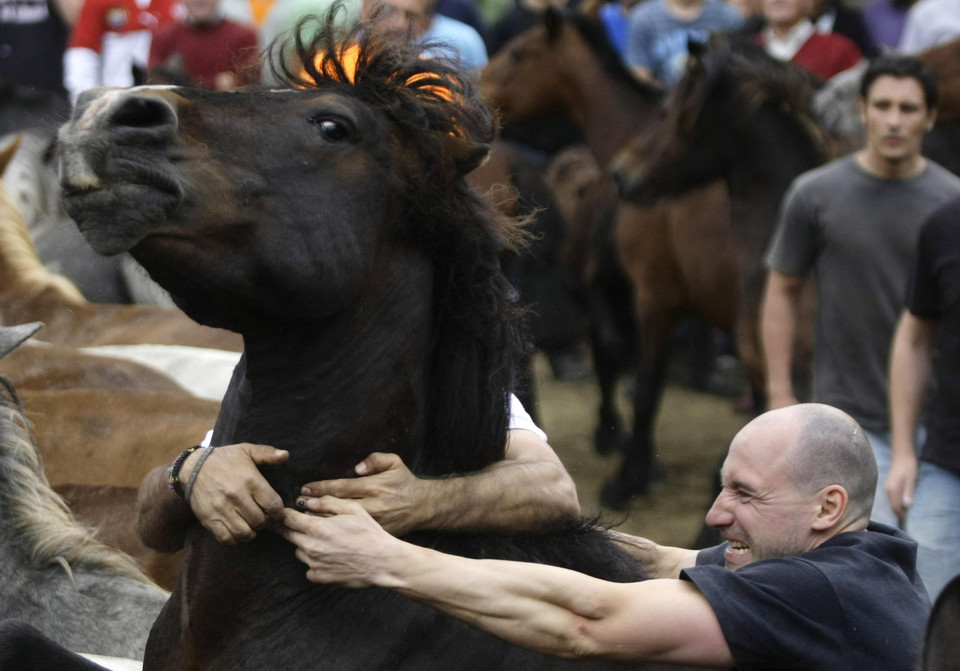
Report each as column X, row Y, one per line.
column 803, row 581
column 924, row 488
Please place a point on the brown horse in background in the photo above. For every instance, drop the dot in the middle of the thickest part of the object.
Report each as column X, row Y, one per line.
column 674, row 257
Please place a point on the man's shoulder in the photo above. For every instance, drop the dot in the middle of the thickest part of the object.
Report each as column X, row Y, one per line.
column 722, row 12
column 651, row 10
column 445, row 27
column 938, row 173
column 827, row 176
column 238, row 30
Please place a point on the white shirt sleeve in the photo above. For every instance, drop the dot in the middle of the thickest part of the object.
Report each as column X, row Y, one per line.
column 81, row 70
column 520, row 418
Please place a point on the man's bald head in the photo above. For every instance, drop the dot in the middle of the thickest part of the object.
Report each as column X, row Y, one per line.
column 830, row 449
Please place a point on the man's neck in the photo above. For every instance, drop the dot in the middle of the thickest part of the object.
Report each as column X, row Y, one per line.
column 686, row 10
column 783, row 31
column 885, row 169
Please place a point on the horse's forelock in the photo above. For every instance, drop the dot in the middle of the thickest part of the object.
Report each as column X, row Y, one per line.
column 385, row 69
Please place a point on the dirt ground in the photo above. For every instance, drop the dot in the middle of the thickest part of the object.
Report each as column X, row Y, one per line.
column 692, row 434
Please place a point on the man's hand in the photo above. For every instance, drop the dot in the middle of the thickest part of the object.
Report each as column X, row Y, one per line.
column 901, row 483
column 230, row 496
column 387, row 490
column 340, row 544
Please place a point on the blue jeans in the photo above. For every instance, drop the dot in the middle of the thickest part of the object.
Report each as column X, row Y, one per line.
column 882, row 512
column 934, row 522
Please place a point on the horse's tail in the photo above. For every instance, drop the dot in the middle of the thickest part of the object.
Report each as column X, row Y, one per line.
column 22, row 274
column 50, row 532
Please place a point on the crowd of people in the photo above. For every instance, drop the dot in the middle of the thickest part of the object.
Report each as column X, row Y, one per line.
column 840, row 518
column 71, row 45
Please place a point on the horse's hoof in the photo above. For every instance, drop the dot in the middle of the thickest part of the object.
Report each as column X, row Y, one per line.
column 618, row 494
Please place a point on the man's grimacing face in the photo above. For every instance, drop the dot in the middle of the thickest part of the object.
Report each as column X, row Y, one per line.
column 760, row 511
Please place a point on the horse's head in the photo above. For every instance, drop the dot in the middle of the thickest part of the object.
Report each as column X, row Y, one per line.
column 712, row 120
column 282, row 198
column 530, row 77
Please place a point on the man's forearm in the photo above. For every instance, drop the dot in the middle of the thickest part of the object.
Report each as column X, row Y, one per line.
column 910, row 367
column 778, row 333
column 162, row 519
column 506, row 496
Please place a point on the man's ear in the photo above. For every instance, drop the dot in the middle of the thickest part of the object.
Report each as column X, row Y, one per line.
column 833, row 501
column 931, row 119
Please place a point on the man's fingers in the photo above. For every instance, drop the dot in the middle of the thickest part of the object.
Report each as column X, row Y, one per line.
column 353, row 488
column 268, row 501
column 377, row 462
column 326, row 505
column 264, row 454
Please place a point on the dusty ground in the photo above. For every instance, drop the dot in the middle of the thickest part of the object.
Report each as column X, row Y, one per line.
column 692, row 434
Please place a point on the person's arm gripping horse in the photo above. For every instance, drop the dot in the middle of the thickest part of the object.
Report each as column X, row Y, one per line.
column 528, row 489
column 553, row 611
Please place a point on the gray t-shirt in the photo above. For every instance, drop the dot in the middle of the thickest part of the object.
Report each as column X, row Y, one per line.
column 858, row 234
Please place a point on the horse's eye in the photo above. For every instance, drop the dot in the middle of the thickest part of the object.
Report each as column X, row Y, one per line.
column 331, row 129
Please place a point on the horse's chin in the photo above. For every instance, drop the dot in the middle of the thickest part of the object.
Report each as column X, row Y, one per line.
column 107, row 221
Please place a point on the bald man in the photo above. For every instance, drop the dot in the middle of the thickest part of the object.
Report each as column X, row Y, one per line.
column 803, row 581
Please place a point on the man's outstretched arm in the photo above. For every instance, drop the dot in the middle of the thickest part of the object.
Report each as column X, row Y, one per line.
column 553, row 611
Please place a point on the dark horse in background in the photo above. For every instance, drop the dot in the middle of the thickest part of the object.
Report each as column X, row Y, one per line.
column 330, row 225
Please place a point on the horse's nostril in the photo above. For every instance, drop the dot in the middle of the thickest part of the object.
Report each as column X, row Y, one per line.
column 145, row 113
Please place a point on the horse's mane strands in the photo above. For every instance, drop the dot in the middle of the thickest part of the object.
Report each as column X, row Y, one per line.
column 408, row 80
column 40, row 516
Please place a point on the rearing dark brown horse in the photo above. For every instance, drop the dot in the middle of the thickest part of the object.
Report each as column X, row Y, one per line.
column 331, row 226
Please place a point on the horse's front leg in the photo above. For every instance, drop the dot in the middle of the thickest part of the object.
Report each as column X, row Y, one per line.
column 637, row 470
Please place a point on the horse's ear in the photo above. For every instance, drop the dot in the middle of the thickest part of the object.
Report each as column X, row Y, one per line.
column 139, row 74
column 12, row 337
column 553, row 20
column 467, row 155
column 7, row 153
column 696, row 48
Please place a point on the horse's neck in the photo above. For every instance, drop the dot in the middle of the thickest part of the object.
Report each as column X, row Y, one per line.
column 333, row 392
column 781, row 149
column 608, row 110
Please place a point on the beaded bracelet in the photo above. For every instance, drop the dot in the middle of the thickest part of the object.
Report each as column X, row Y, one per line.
column 173, row 471
column 196, row 469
